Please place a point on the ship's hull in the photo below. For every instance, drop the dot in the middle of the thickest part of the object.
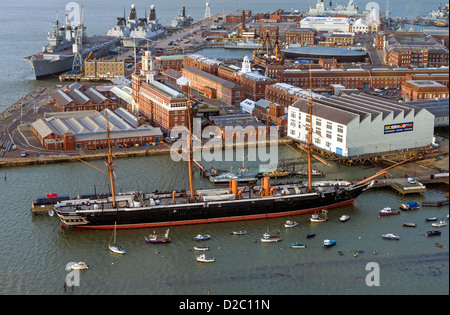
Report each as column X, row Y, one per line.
column 50, row 65
column 46, row 64
column 251, row 46
column 209, row 212
column 131, row 42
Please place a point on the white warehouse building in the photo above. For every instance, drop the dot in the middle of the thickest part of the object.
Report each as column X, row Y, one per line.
column 357, row 124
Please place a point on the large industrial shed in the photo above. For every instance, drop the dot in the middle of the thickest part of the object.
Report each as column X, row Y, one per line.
column 357, row 124
column 87, row 130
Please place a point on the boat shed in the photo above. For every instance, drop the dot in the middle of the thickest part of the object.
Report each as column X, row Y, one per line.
column 356, row 124
column 87, row 130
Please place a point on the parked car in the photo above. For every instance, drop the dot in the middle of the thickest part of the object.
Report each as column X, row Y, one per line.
column 23, row 154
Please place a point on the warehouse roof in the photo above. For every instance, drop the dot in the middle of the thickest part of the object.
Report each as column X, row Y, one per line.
column 213, row 77
column 345, row 108
column 324, row 51
column 92, row 124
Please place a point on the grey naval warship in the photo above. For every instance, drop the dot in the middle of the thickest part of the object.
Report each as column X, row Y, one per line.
column 64, row 41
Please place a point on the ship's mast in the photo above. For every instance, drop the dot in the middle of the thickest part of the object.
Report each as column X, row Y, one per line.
column 310, row 130
column 110, row 163
column 189, row 139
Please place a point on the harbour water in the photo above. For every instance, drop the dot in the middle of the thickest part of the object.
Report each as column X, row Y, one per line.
column 35, row 249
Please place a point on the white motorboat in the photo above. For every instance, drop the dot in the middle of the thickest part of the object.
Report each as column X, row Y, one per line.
column 297, row 245
column 202, row 248
column 391, row 236
column 344, row 218
column 200, row 237
column 388, row 211
column 79, row 266
column 240, row 232
column 290, row 223
column 439, row 224
column 268, row 238
column 203, row 258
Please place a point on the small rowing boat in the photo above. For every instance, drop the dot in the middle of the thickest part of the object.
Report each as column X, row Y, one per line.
column 391, row 236
column 200, row 237
column 297, row 245
column 387, row 211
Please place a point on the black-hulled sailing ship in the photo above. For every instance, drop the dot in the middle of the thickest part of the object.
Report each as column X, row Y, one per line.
column 139, row 210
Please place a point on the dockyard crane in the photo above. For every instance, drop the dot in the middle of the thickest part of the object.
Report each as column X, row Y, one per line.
column 78, row 45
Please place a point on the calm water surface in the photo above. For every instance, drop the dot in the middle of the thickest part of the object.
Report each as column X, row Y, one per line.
column 35, row 249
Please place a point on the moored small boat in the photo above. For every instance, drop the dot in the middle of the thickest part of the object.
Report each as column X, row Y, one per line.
column 116, row 248
column 433, row 233
column 297, row 245
column 158, row 239
column 344, row 218
column 290, row 223
column 239, row 232
column 431, row 219
column 328, row 243
column 79, row 266
column 268, row 238
column 412, row 205
column 201, row 248
column 200, row 237
column 391, row 236
column 439, row 224
column 409, row 224
column 322, row 217
column 310, row 234
column 388, row 211
column 203, row 258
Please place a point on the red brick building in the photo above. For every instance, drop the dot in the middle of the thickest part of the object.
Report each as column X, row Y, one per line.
column 420, row 90
column 85, row 130
column 353, row 78
column 77, row 97
column 160, row 104
column 253, row 83
column 205, row 64
column 174, row 62
column 236, row 17
column 270, row 30
column 303, row 36
column 224, row 90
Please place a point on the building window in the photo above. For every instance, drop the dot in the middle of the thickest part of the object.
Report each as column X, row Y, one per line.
column 329, row 125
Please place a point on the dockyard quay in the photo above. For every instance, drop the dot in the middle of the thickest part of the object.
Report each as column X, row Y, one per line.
column 375, row 103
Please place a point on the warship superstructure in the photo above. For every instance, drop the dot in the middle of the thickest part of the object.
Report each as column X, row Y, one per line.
column 322, row 9
column 64, row 41
column 182, row 20
column 136, row 31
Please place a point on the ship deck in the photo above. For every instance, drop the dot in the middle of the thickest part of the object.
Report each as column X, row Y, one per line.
column 89, row 43
column 179, row 198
